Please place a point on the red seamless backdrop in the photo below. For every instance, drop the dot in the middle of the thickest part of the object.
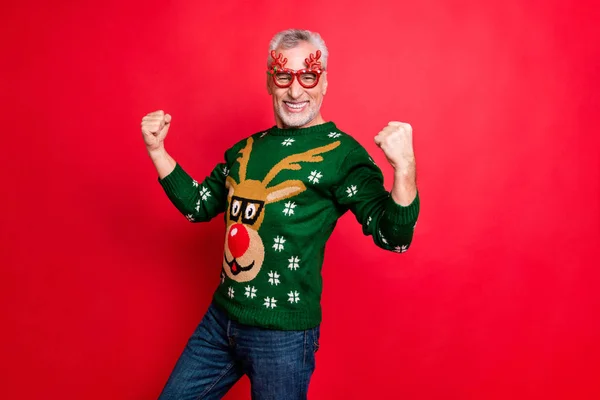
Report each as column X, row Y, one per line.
column 102, row 281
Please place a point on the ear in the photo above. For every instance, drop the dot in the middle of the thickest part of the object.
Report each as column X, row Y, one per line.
column 325, row 83
column 284, row 191
column 230, row 184
column 269, row 80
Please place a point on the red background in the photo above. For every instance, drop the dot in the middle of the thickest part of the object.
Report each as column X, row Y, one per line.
column 103, row 281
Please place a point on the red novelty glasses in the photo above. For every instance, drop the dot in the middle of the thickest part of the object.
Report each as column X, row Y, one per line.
column 307, row 77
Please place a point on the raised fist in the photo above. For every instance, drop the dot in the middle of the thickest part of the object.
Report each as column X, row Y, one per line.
column 155, row 126
column 396, row 142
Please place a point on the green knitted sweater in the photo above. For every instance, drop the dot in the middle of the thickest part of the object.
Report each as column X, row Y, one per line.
column 282, row 192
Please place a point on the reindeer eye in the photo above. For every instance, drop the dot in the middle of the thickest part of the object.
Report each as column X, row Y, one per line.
column 250, row 211
column 235, row 208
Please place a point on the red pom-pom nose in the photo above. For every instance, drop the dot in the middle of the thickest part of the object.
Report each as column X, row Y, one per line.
column 238, row 240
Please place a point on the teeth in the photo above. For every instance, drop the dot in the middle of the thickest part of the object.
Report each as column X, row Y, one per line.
column 296, row 105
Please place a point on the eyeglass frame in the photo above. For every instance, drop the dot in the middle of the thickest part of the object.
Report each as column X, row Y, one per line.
column 295, row 74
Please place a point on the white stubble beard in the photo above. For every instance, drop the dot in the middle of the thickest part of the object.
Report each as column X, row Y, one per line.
column 296, row 120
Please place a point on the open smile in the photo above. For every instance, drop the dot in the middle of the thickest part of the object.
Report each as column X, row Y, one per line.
column 295, row 106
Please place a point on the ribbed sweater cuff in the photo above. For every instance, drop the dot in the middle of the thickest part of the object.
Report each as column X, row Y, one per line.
column 402, row 215
column 176, row 180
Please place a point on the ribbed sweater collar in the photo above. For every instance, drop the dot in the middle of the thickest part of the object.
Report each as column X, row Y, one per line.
column 326, row 127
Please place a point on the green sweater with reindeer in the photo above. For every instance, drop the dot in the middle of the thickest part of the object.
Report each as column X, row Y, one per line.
column 281, row 192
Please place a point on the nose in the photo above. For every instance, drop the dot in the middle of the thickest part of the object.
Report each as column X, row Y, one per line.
column 238, row 240
column 295, row 90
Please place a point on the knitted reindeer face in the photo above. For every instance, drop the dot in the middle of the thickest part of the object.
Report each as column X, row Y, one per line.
column 244, row 249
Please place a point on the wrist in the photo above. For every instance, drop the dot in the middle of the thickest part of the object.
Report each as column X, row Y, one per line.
column 405, row 174
column 404, row 165
column 157, row 153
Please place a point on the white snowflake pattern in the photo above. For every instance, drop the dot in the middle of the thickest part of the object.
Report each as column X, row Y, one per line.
column 383, row 239
column 274, row 278
column 294, row 263
column 289, row 208
column 351, row 190
column 262, row 135
column 288, row 142
column 198, row 205
column 374, row 163
column 225, row 170
column 230, row 292
column 401, row 249
column 294, row 297
column 334, row 135
column 190, row 217
column 222, row 277
column 270, row 302
column 195, row 183
column 204, row 193
column 250, row 291
column 279, row 241
column 369, row 221
column 315, row 176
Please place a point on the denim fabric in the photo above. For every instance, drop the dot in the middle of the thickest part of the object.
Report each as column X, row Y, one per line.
column 278, row 363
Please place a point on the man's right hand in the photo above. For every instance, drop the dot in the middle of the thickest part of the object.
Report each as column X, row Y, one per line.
column 155, row 126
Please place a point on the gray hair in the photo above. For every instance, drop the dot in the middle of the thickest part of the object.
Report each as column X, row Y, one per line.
column 290, row 38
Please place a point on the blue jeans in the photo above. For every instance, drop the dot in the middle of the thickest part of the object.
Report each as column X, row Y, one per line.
column 278, row 363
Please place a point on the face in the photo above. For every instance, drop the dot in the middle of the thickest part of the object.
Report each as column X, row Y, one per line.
column 296, row 106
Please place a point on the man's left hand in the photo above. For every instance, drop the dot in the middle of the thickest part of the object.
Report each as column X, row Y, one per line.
column 396, row 142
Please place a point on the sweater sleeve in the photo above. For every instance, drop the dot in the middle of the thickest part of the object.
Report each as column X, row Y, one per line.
column 360, row 189
column 197, row 201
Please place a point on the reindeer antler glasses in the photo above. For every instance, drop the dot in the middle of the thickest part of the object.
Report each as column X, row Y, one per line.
column 307, row 77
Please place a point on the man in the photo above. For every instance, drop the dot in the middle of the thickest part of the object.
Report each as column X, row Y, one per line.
column 282, row 191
